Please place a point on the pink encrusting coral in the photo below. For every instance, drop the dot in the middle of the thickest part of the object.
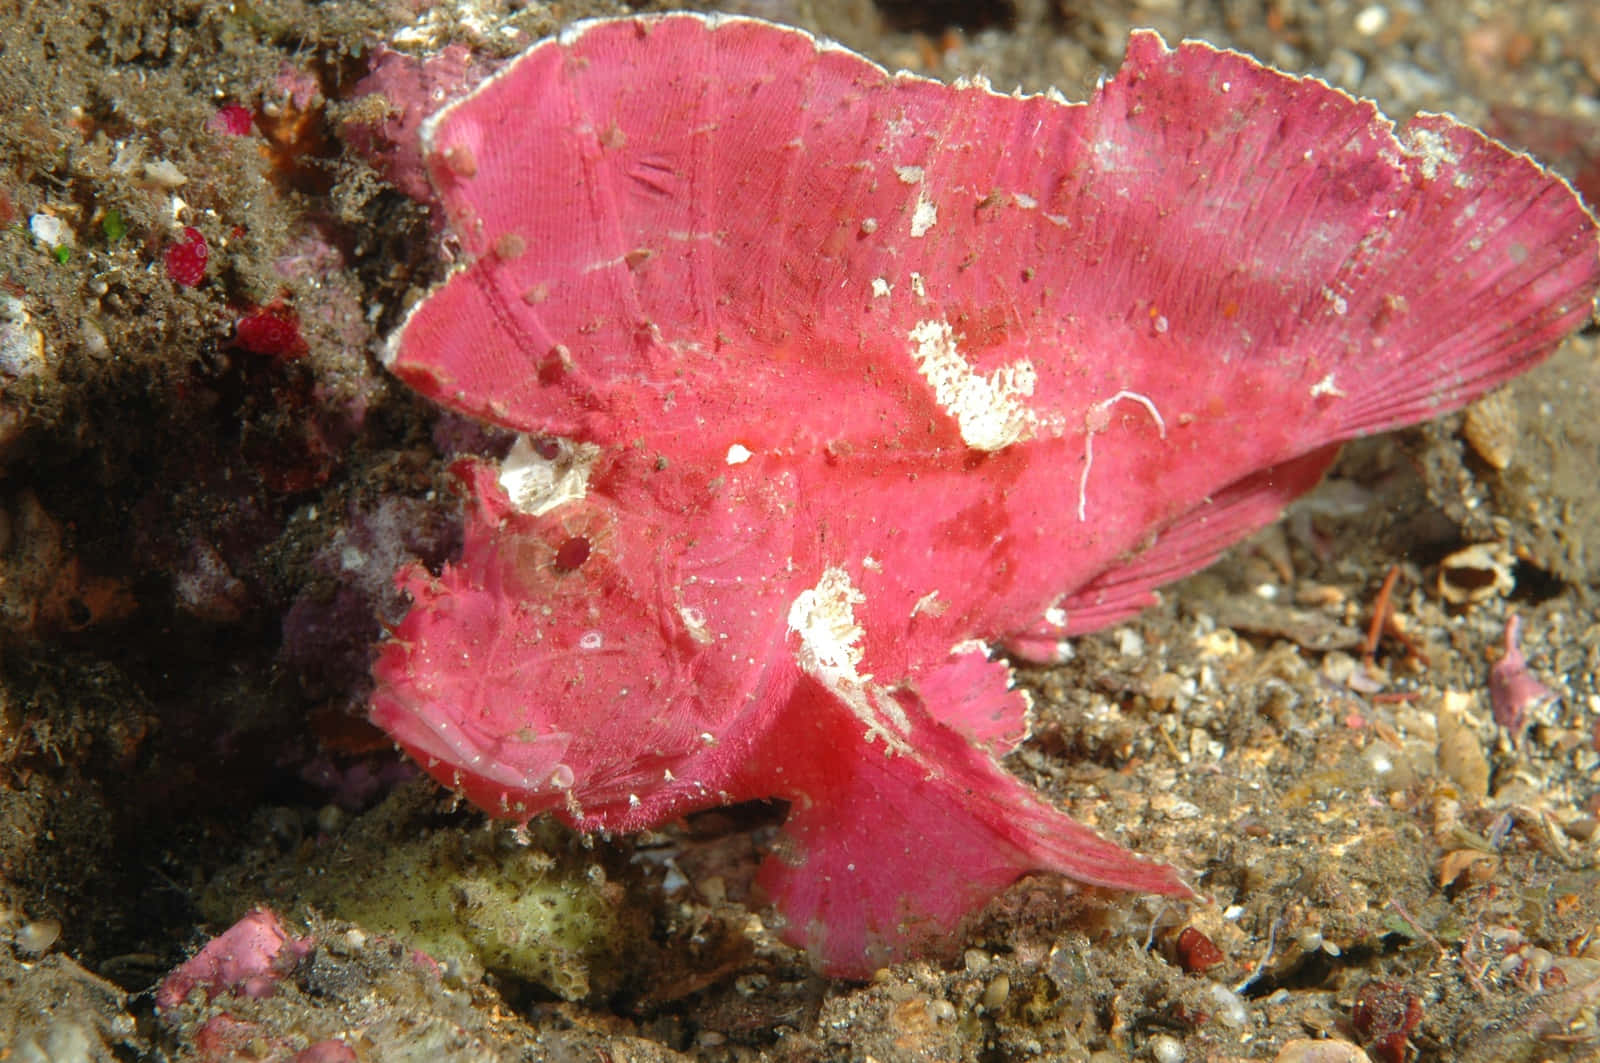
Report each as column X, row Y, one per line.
column 834, row 382
column 186, row 257
column 248, row 959
column 272, row 330
column 233, row 120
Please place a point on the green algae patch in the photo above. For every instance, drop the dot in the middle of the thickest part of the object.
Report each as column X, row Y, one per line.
column 534, row 905
column 486, row 901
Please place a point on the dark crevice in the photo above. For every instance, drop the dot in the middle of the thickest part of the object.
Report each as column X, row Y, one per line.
column 936, row 16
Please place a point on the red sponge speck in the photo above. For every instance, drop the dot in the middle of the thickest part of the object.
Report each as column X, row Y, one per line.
column 186, row 258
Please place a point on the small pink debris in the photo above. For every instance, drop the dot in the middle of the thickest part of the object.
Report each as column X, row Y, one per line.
column 1514, row 693
column 833, row 384
column 297, row 88
column 247, row 959
column 273, row 331
column 232, row 119
column 225, row 1039
column 409, row 91
column 186, row 257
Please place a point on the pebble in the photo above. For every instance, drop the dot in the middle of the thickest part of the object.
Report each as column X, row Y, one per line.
column 21, row 342
column 331, row 819
column 1371, row 20
column 1164, row 1048
column 1345, row 69
column 1461, row 755
column 37, row 936
column 1231, row 1008
column 1306, row 1050
column 996, row 992
column 64, row 1042
column 49, row 230
column 164, row 174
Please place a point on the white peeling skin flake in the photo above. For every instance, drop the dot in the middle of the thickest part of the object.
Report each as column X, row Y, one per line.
column 824, row 617
column 924, row 216
column 539, row 475
column 1327, row 386
column 989, row 410
column 830, row 650
column 694, row 622
column 1433, row 151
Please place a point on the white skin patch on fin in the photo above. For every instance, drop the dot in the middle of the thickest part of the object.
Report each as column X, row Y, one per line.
column 924, row 216
column 694, row 622
column 989, row 410
column 824, row 617
column 924, row 213
column 1097, row 420
column 539, row 476
column 1327, row 387
column 1431, row 151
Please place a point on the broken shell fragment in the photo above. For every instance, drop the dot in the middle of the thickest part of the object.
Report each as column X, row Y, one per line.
column 1460, row 752
column 1477, row 574
column 1490, row 428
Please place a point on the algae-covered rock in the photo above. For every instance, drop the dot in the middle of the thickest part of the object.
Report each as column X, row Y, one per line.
column 485, row 901
column 532, row 904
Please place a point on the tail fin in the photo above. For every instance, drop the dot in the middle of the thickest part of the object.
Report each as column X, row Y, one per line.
column 1493, row 265
column 958, row 830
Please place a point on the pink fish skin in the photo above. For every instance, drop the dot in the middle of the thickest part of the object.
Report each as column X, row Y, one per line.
column 834, row 382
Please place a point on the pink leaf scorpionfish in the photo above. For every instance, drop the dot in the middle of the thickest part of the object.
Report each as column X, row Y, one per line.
column 834, row 383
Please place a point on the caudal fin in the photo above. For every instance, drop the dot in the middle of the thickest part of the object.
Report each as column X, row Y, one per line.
column 1494, row 262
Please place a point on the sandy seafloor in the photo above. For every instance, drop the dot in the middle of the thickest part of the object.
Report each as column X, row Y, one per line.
column 192, row 537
